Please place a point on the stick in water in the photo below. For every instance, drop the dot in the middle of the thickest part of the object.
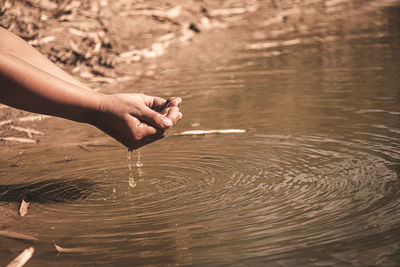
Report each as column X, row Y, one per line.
column 22, row 258
column 203, row 132
column 70, row 250
column 15, row 235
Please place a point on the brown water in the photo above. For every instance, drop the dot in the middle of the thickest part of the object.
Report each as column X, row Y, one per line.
column 314, row 180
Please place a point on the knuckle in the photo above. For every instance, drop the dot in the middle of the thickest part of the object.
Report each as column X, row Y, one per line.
column 155, row 116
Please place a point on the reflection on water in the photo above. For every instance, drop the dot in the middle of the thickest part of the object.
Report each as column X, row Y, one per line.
column 313, row 181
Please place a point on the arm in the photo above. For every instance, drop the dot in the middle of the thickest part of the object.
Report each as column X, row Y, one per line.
column 26, row 87
column 134, row 120
column 17, row 47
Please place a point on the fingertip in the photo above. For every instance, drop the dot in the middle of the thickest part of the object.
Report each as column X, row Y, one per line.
column 158, row 102
column 166, row 123
column 174, row 101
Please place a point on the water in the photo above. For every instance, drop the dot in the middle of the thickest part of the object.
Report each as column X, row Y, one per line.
column 314, row 180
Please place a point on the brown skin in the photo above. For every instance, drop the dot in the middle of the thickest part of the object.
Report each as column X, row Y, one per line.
column 29, row 81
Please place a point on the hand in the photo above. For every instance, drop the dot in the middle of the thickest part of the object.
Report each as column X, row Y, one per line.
column 136, row 119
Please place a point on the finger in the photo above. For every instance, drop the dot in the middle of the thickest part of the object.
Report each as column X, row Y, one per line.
column 174, row 115
column 149, row 134
column 173, row 102
column 154, row 118
column 165, row 111
column 158, row 103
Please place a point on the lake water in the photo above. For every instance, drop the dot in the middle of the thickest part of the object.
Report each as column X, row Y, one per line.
column 313, row 181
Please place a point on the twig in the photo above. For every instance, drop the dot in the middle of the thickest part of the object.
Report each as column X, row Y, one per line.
column 22, row 258
column 15, row 235
column 203, row 132
column 42, row 41
column 171, row 13
column 32, row 118
column 232, row 11
column 70, row 250
column 28, row 131
column 18, row 139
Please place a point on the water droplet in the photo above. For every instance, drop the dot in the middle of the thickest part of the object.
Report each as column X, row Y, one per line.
column 132, row 182
column 139, row 164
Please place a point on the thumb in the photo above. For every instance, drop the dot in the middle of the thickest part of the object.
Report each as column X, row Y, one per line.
column 154, row 118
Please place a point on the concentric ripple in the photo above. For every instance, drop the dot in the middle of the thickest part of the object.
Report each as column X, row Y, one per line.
column 262, row 194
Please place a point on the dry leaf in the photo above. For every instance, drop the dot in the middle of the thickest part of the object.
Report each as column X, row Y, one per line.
column 23, row 209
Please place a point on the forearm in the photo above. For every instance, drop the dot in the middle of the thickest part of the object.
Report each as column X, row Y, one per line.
column 29, row 81
column 17, row 47
column 27, row 87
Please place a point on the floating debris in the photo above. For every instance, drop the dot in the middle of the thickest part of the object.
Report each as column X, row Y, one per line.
column 22, row 258
column 18, row 139
column 204, row 132
column 15, row 235
column 23, row 208
column 70, row 250
column 274, row 44
column 29, row 132
column 32, row 118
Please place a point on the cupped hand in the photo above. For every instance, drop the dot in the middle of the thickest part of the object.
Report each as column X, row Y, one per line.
column 136, row 120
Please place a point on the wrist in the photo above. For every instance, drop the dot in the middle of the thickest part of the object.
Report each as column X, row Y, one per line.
column 91, row 107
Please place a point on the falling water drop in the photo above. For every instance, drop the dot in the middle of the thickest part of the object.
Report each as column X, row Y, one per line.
column 131, row 179
column 139, row 164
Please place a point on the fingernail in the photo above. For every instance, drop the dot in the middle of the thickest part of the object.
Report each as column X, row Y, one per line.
column 166, row 123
